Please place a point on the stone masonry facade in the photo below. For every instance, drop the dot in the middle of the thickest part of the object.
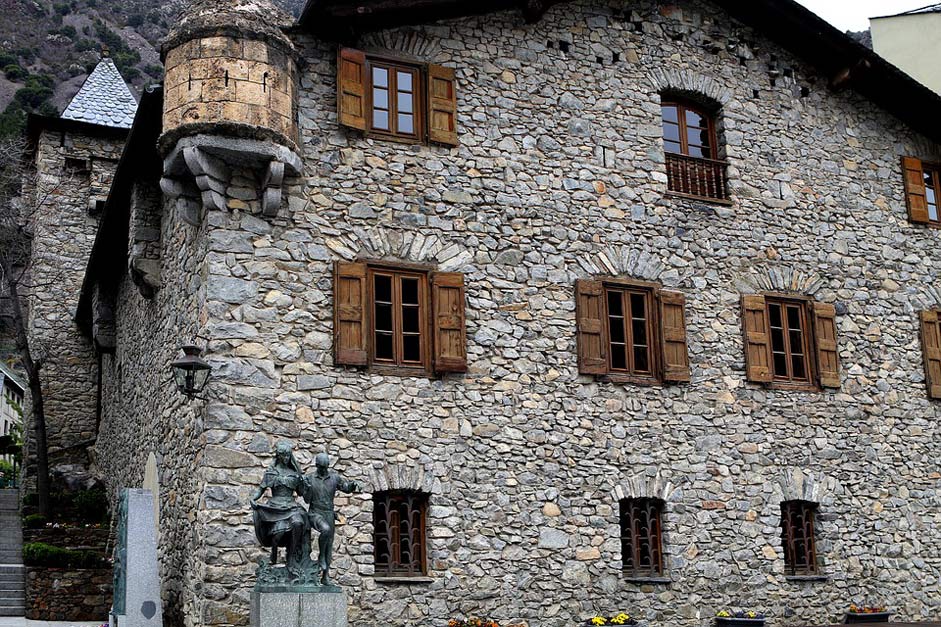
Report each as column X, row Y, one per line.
column 559, row 175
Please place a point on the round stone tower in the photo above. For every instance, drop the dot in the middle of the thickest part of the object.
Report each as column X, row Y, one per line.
column 231, row 69
column 230, row 97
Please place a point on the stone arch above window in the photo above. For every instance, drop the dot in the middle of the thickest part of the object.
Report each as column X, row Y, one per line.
column 693, row 86
column 780, row 279
column 407, row 42
column 647, row 485
column 402, row 477
column 795, row 484
column 382, row 244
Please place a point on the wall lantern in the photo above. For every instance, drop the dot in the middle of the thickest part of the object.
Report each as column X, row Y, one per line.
column 191, row 372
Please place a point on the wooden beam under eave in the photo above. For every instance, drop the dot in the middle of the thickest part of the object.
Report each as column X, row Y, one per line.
column 844, row 77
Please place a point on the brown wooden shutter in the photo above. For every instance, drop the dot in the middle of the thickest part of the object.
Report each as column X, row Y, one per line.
column 931, row 348
column 442, row 105
column 757, row 339
column 447, row 313
column 828, row 357
column 351, row 88
column 590, row 321
column 915, row 192
column 673, row 335
column 349, row 315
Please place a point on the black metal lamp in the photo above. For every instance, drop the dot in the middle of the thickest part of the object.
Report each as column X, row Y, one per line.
column 191, row 371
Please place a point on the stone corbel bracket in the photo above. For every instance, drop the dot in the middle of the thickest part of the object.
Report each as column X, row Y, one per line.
column 206, row 162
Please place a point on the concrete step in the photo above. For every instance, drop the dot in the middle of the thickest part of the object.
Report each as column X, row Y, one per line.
column 13, row 569
column 13, row 611
column 12, row 597
column 10, row 587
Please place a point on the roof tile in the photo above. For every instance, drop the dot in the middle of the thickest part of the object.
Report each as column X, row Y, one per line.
column 104, row 99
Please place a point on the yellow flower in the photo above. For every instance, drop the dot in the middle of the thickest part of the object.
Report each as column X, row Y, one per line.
column 724, row 614
column 599, row 620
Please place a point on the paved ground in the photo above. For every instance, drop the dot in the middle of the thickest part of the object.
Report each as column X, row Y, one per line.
column 22, row 622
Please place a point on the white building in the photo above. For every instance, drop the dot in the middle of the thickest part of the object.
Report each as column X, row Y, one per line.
column 11, row 401
column 912, row 42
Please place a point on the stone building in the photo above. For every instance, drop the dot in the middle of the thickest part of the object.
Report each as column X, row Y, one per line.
column 611, row 306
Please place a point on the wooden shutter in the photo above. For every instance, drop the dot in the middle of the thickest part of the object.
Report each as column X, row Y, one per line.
column 349, row 314
column 828, row 357
column 673, row 336
column 450, row 336
column 915, row 192
column 351, row 88
column 757, row 339
column 931, row 348
column 590, row 321
column 442, row 105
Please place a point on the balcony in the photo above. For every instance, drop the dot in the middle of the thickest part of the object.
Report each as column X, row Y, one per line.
column 696, row 177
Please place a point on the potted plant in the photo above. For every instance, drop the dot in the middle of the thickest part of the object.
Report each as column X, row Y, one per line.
column 620, row 618
column 472, row 622
column 741, row 618
column 867, row 614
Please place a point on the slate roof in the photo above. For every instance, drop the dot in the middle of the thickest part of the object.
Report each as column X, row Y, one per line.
column 104, row 99
column 931, row 8
column 6, row 374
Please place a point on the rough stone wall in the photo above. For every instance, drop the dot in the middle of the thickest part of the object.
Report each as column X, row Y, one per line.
column 59, row 594
column 560, row 175
column 64, row 231
column 224, row 79
column 143, row 413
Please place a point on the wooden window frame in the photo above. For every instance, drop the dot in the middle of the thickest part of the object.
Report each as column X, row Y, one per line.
column 631, row 541
column 808, row 333
column 393, row 568
column 397, row 368
column 686, row 105
column 935, row 169
column 419, row 105
column 808, row 534
column 649, row 290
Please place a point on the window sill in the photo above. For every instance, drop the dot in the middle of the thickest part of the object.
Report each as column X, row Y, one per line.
column 706, row 199
column 806, row 578
column 656, row 581
column 626, row 378
column 404, row 580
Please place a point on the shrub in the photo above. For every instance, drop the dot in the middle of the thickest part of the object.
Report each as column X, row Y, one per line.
column 8, row 58
column 91, row 506
column 41, row 554
column 35, row 521
column 14, row 72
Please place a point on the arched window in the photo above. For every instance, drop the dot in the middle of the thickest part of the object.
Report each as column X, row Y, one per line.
column 641, row 537
column 798, row 538
column 691, row 145
column 399, row 524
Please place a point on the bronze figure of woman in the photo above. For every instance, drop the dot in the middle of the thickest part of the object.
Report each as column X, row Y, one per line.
column 281, row 521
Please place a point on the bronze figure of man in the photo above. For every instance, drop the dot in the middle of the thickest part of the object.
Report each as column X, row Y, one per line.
column 320, row 489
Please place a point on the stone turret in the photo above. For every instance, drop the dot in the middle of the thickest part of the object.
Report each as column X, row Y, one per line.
column 230, row 94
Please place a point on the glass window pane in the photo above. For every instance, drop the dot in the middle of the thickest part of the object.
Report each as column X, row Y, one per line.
column 618, row 357
column 614, row 304
column 797, row 344
column 405, row 103
column 411, row 345
column 383, row 317
column 695, row 119
column 793, row 318
column 641, row 363
column 380, row 98
column 697, row 137
column 638, row 306
column 671, row 132
column 380, row 77
column 797, row 362
column 673, row 147
column 380, row 119
column 639, row 327
column 774, row 312
column 406, row 123
column 410, row 320
column 933, row 213
column 404, row 81
column 780, row 365
column 929, row 192
column 384, row 346
column 929, row 179
column 409, row 291
column 670, row 114
column 383, row 288
column 699, row 153
column 616, row 327
column 777, row 339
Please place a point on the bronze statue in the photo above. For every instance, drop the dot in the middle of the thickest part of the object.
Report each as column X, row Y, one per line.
column 282, row 522
column 320, row 490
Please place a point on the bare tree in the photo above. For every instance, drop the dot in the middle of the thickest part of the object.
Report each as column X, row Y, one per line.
column 22, row 195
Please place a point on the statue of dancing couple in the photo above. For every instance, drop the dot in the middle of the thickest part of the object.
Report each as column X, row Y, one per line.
column 283, row 522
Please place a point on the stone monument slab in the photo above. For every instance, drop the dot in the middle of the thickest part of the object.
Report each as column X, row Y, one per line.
column 137, row 601
column 298, row 609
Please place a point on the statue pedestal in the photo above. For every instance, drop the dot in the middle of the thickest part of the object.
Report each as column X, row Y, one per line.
column 298, row 609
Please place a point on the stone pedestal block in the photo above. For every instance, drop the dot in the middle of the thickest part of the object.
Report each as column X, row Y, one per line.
column 137, row 600
column 299, row 609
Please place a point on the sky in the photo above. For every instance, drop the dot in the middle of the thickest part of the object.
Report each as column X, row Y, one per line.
column 854, row 14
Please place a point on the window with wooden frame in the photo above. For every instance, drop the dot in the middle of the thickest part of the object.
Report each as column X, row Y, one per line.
column 631, row 331
column 399, row 527
column 401, row 319
column 641, row 537
column 931, row 349
column 797, row 537
column 690, row 142
column 790, row 341
column 396, row 99
column 922, row 189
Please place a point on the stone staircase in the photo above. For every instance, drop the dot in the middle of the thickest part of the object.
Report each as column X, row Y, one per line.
column 12, row 573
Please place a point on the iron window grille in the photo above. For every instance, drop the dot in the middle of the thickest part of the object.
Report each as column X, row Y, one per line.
column 399, row 523
column 797, row 536
column 641, row 537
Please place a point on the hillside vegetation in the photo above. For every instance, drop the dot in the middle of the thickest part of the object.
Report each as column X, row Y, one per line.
column 48, row 47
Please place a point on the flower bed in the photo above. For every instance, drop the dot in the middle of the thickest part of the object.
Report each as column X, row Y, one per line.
column 616, row 619
column 748, row 618
column 867, row 614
